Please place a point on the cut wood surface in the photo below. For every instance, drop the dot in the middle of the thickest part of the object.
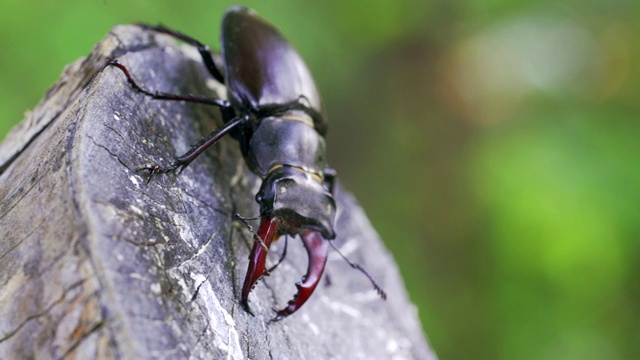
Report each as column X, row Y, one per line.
column 97, row 263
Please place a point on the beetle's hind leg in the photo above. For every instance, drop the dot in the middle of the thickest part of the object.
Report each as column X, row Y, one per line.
column 203, row 49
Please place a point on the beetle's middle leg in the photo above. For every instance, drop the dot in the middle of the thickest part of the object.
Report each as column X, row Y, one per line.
column 182, row 161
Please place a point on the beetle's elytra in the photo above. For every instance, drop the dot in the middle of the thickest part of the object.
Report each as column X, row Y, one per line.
column 275, row 113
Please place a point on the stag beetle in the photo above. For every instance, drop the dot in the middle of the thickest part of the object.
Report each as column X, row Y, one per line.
column 275, row 113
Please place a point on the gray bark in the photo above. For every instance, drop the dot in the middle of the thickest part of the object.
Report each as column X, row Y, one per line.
column 96, row 263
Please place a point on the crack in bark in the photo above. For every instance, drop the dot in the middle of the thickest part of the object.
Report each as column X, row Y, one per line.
column 42, row 313
column 200, row 250
column 109, row 151
column 19, row 242
column 73, row 188
column 124, row 141
column 95, row 328
column 33, row 137
column 203, row 333
column 24, row 193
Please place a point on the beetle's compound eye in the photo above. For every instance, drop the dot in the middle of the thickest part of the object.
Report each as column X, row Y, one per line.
column 283, row 184
column 259, row 197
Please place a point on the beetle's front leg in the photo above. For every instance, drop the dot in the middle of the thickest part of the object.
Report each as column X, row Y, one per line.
column 330, row 179
column 318, row 250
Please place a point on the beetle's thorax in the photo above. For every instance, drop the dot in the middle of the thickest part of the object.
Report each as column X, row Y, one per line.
column 287, row 139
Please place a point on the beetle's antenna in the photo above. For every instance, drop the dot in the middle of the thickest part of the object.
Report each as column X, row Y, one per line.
column 243, row 220
column 378, row 289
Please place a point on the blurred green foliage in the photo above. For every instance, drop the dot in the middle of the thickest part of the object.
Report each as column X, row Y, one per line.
column 494, row 145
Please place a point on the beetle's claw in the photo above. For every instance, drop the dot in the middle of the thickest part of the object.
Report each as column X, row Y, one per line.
column 318, row 250
column 150, row 169
column 245, row 306
column 153, row 169
column 278, row 317
column 266, row 234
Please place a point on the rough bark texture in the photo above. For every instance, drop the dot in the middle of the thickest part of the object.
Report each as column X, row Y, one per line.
column 95, row 263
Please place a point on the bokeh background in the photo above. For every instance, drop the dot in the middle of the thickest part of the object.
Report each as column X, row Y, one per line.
column 494, row 145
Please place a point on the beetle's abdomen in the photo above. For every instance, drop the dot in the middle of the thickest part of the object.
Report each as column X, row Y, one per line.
column 261, row 67
column 287, row 140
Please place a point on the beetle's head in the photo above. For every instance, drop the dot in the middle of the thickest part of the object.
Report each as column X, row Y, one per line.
column 292, row 201
column 299, row 200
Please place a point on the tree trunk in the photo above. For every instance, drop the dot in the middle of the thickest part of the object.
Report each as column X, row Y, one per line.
column 97, row 263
